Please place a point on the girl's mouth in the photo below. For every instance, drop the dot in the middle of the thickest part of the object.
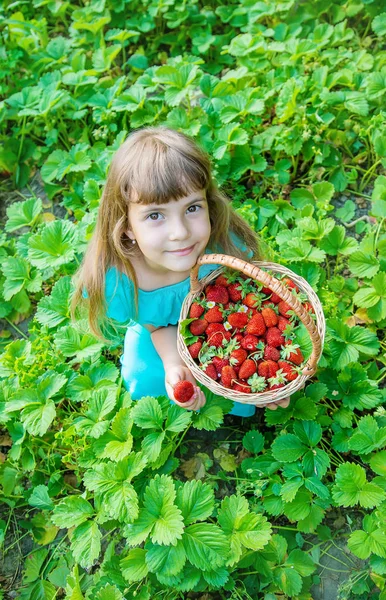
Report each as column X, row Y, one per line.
column 184, row 251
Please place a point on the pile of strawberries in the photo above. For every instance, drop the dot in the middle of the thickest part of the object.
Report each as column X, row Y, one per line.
column 242, row 334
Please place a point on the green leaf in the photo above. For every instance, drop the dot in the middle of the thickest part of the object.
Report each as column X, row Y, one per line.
column 370, row 540
column 152, row 445
column 19, row 275
column 378, row 25
column 244, row 529
column 147, row 413
column 23, row 214
column 168, row 560
column 71, row 342
column 178, row 419
column 336, row 242
column 348, row 342
column 378, row 463
column 159, row 503
column 288, row 448
column 368, row 436
column 71, row 511
column 362, row 264
column 134, row 566
column 86, row 543
column 301, row 562
column 195, row 501
column 253, row 441
column 206, row 546
column 288, row 580
column 54, row 246
column 40, row 498
column 352, row 488
column 53, row 310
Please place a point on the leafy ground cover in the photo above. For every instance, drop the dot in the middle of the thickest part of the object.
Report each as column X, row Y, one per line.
column 108, row 499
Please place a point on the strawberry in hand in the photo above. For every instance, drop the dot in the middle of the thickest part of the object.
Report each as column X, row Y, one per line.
column 176, row 378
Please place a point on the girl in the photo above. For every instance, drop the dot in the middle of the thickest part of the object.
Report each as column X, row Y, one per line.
column 160, row 210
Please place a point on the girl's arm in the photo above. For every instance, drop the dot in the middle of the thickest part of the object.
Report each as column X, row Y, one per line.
column 165, row 342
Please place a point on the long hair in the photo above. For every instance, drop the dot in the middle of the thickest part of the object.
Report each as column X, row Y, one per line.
column 153, row 166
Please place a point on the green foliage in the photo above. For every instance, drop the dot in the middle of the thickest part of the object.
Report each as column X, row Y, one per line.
column 288, row 100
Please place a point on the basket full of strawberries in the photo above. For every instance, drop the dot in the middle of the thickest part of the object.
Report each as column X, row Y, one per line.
column 252, row 332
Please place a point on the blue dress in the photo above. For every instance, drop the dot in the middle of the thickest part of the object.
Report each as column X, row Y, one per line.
column 142, row 368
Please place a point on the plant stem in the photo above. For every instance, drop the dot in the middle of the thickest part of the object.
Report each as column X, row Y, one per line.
column 19, row 331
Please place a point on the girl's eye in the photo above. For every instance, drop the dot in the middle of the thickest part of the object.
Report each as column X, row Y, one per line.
column 157, row 213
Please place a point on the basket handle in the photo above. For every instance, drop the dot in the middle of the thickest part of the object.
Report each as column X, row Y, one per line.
column 274, row 284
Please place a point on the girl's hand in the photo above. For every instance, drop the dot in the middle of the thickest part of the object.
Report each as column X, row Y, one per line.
column 273, row 405
column 176, row 373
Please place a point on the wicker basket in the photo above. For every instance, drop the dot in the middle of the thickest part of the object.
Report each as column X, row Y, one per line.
column 253, row 270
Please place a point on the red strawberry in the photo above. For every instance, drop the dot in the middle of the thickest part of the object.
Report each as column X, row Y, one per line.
column 219, row 363
column 247, row 369
column 271, row 353
column 198, row 327
column 293, row 354
column 237, row 369
column 214, row 315
column 288, row 370
column 239, row 386
column 270, row 317
column 238, row 337
column 217, row 293
column 222, row 280
column 183, row 391
column 267, row 368
column 196, row 311
column 282, row 323
column 234, row 292
column 238, row 319
column 195, row 348
column 256, row 325
column 267, row 290
column 275, row 298
column 252, row 300
column 276, row 386
column 210, row 370
column 227, row 376
column 289, row 283
column 238, row 356
column 284, row 308
column 216, row 334
column 274, row 337
column 249, row 342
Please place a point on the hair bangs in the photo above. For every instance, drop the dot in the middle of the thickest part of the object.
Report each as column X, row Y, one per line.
column 161, row 173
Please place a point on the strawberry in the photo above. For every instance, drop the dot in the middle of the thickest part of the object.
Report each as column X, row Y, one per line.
column 217, row 293
column 293, row 353
column 210, row 370
column 289, row 283
column 267, row 368
column 196, row 311
column 271, row 353
column 219, row 363
column 252, row 300
column 270, row 317
column 274, row 298
column 282, row 323
column 308, row 307
column 256, row 325
column 276, row 386
column 228, row 375
column 214, row 315
column 267, row 291
column 249, row 342
column 278, row 380
column 288, row 370
column 238, row 356
column 238, row 319
column 239, row 386
column 238, row 337
column 183, row 391
column 257, row 383
column 235, row 292
column 274, row 337
column 216, row 334
column 198, row 327
column 284, row 308
column 247, row 369
column 222, row 280
column 194, row 349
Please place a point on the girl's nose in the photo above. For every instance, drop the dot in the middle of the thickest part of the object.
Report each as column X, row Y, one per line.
column 178, row 230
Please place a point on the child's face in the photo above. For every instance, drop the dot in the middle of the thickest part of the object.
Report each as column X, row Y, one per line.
column 160, row 230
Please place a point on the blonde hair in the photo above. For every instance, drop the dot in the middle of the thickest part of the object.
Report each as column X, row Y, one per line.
column 153, row 166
